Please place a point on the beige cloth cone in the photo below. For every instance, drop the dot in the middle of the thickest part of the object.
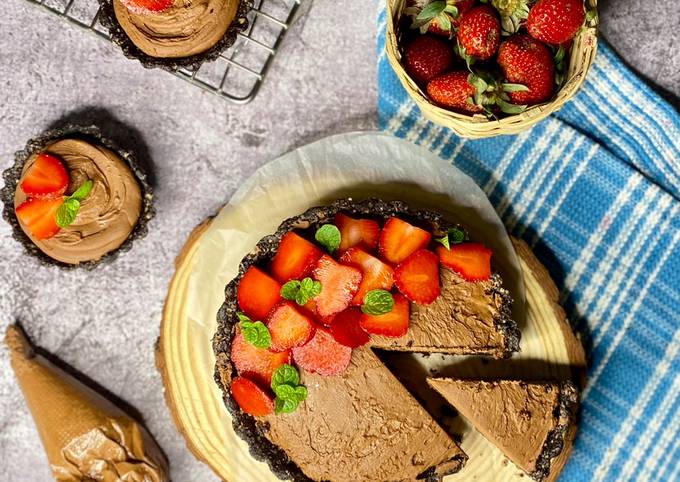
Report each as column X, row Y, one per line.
column 86, row 436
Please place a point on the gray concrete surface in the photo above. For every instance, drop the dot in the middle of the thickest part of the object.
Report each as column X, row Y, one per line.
column 105, row 322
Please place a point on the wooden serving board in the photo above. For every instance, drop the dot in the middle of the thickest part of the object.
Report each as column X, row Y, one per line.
column 184, row 356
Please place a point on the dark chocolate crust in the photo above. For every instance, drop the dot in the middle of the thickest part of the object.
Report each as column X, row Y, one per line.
column 38, row 144
column 246, row 426
column 130, row 50
column 554, row 444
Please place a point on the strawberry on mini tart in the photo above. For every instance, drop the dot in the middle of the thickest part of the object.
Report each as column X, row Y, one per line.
column 174, row 33
column 296, row 334
column 74, row 198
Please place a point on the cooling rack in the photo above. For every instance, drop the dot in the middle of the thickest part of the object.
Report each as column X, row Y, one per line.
column 239, row 71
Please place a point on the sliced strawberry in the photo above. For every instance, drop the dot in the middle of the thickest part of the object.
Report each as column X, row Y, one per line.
column 288, row 327
column 357, row 232
column 310, row 310
column 417, row 277
column 251, row 398
column 323, row 355
column 376, row 274
column 147, row 6
column 257, row 293
column 346, row 328
column 399, row 239
column 256, row 363
column 394, row 323
column 47, row 177
column 295, row 258
column 40, row 216
column 471, row 260
column 339, row 284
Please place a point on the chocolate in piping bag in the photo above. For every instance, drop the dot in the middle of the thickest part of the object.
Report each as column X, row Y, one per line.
column 86, row 436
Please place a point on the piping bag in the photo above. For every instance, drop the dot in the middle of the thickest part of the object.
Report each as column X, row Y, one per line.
column 86, row 436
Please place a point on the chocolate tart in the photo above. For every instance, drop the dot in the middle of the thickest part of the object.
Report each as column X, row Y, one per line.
column 528, row 421
column 194, row 56
column 91, row 136
column 363, row 424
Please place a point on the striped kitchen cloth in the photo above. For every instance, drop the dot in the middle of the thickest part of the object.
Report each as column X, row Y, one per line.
column 595, row 191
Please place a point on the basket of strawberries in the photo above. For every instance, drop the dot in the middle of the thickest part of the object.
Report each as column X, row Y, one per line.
column 490, row 67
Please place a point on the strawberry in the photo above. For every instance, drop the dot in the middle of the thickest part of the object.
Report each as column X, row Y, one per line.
column 147, row 6
column 453, row 91
column 426, row 57
column 295, row 258
column 513, row 13
column 46, row 178
column 376, row 274
column 417, row 277
column 288, row 327
column 471, row 260
column 257, row 293
column 357, row 232
column 251, row 398
column 323, row 355
column 40, row 216
column 399, row 239
column 256, row 363
column 479, row 33
column 527, row 61
column 394, row 323
column 339, row 284
column 437, row 16
column 555, row 21
column 346, row 328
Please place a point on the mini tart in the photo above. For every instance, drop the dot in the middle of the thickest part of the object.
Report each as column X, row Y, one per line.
column 106, row 225
column 187, row 34
column 530, row 422
column 362, row 424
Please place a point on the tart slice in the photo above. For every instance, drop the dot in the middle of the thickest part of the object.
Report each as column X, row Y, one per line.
column 531, row 423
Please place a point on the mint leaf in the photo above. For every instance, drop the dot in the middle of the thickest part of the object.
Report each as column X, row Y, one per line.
column 285, row 375
column 288, row 405
column 329, row 237
column 256, row 334
column 301, row 291
column 242, row 317
column 377, row 302
column 67, row 212
column 300, row 393
column 83, row 191
column 454, row 236
column 290, row 289
column 285, row 391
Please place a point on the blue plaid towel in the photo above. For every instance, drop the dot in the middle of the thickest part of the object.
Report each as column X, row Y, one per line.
column 595, row 191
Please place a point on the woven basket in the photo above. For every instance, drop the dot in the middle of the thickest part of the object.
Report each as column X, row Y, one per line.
column 478, row 126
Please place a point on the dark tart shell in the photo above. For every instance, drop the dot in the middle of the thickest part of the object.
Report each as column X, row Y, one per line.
column 109, row 20
column 38, row 144
column 245, row 425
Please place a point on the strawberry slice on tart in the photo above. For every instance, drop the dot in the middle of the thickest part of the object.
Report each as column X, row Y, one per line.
column 357, row 232
column 294, row 258
column 323, row 354
column 46, row 178
column 399, row 239
column 417, row 277
column 251, row 398
column 471, row 260
column 376, row 274
column 392, row 324
column 147, row 6
column 346, row 328
column 258, row 293
column 40, row 216
column 257, row 363
column 339, row 285
column 288, row 327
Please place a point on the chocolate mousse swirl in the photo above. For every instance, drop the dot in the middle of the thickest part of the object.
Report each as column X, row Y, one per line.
column 106, row 217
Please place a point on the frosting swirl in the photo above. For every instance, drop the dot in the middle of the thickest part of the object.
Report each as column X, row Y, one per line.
column 186, row 28
column 109, row 213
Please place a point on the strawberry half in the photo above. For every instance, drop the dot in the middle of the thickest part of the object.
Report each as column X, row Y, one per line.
column 323, row 355
column 46, row 178
column 288, row 327
column 417, row 277
column 257, row 363
column 471, row 260
column 376, row 274
column 147, row 6
column 257, row 293
column 40, row 216
column 295, row 258
column 393, row 324
column 339, row 284
column 346, row 328
column 357, row 232
column 251, row 398
column 399, row 239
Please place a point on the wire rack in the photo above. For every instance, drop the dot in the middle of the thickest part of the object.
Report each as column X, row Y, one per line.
column 239, row 71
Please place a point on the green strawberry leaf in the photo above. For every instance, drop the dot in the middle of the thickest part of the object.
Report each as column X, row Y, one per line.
column 377, row 302
column 329, row 237
column 431, row 10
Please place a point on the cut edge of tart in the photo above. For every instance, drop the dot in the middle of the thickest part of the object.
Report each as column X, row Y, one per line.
column 254, row 430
